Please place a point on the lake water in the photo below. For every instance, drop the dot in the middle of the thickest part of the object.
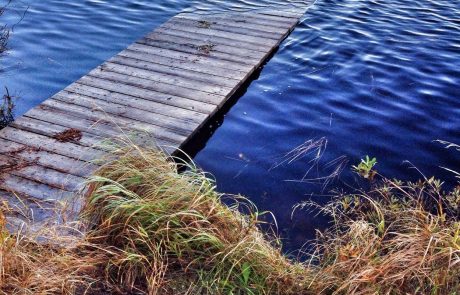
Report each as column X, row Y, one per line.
column 356, row 77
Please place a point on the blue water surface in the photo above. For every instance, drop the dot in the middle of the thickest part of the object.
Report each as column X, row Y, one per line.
column 356, row 77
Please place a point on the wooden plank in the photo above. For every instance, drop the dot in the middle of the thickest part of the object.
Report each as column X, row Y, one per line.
column 211, row 38
column 32, row 171
column 44, row 158
column 25, row 188
column 175, row 125
column 51, row 130
column 212, row 29
column 204, row 106
column 135, row 102
column 293, row 14
column 183, row 64
column 244, row 18
column 204, row 49
column 236, row 23
column 207, row 61
column 164, row 78
column 193, row 96
column 240, row 52
column 38, row 141
column 102, row 129
column 121, row 122
column 270, row 17
column 172, row 122
column 190, row 75
column 25, row 210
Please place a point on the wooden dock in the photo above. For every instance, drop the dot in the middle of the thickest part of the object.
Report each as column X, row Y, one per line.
column 164, row 87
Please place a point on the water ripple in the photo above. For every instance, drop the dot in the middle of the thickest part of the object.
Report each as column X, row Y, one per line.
column 374, row 77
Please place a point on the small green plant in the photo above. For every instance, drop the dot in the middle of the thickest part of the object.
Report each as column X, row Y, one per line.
column 365, row 168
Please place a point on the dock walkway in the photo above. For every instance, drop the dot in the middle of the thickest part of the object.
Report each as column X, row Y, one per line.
column 167, row 85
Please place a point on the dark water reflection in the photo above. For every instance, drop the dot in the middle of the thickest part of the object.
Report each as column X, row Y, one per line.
column 372, row 77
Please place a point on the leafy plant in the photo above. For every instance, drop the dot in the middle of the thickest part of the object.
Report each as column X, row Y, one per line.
column 365, row 168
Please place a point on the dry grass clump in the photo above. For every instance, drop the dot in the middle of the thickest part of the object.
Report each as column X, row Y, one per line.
column 28, row 266
column 398, row 238
column 152, row 230
column 175, row 236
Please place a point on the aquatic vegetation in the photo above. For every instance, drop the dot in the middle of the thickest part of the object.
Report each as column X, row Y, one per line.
column 365, row 168
column 397, row 238
column 4, row 30
column 7, row 105
column 6, row 110
column 148, row 229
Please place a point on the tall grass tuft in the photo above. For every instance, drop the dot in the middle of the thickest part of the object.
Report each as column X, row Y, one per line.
column 173, row 234
column 397, row 238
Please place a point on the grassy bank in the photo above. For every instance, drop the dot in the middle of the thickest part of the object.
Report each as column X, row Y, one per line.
column 151, row 230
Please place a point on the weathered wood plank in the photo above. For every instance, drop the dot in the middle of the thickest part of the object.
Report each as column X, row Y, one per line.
column 25, row 188
column 293, row 14
column 253, row 35
column 212, row 29
column 44, row 128
column 44, row 158
column 236, row 52
column 183, row 64
column 102, row 129
column 185, row 124
column 32, row 171
column 204, row 60
column 170, row 70
column 24, row 210
column 164, row 78
column 236, row 23
column 38, row 141
column 134, row 131
column 204, row 106
column 270, row 16
column 135, row 102
column 245, row 18
column 206, row 50
column 206, row 38
column 121, row 121
column 190, row 94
